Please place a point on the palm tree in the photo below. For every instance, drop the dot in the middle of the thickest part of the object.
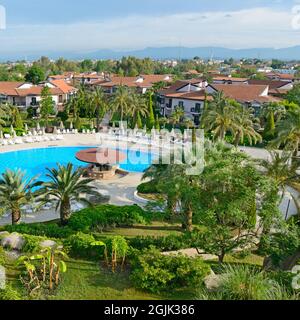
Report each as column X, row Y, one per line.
column 99, row 102
column 273, row 112
column 121, row 101
column 220, row 117
column 138, row 108
column 245, row 127
column 288, row 132
column 66, row 185
column 176, row 117
column 283, row 171
column 16, row 192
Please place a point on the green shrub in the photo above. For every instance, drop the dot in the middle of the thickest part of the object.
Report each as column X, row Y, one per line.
column 155, row 272
column 9, row 294
column 172, row 242
column 100, row 217
column 51, row 230
column 148, row 188
column 32, row 243
column 80, row 246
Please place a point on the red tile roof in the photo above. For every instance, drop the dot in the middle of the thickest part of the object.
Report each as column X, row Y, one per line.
column 148, row 81
column 13, row 89
column 245, row 93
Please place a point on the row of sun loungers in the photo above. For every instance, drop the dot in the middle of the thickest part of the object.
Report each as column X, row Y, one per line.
column 30, row 139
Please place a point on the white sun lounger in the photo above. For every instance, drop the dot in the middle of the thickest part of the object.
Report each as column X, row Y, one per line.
column 59, row 137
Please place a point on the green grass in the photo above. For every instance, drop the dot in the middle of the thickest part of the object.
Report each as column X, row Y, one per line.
column 156, row 229
column 86, row 280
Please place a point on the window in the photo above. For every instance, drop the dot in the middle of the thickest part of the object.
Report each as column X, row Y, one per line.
column 198, row 107
column 33, row 101
column 181, row 105
column 60, row 98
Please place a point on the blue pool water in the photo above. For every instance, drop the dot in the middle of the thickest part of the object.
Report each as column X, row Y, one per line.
column 35, row 161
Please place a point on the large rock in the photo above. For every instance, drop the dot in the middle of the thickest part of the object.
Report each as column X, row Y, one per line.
column 48, row 244
column 213, row 282
column 13, row 241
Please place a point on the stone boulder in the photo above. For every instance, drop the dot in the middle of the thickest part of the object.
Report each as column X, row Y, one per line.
column 13, row 241
column 48, row 244
column 213, row 281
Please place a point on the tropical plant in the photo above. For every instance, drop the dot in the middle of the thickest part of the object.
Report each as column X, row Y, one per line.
column 288, row 132
column 100, row 104
column 220, row 117
column 273, row 112
column 65, row 185
column 176, row 117
column 43, row 269
column 245, row 122
column 121, row 101
column 16, row 191
column 282, row 170
column 138, row 108
column 118, row 248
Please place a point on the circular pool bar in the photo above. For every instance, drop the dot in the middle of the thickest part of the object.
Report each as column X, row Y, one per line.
column 35, row 161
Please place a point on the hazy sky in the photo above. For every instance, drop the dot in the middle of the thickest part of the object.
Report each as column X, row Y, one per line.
column 87, row 25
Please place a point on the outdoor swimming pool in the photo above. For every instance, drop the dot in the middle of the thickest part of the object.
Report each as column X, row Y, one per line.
column 35, row 161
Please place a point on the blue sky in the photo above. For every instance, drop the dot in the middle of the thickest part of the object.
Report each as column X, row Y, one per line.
column 72, row 25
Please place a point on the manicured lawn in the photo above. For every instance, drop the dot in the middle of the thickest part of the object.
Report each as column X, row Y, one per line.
column 85, row 280
column 156, row 229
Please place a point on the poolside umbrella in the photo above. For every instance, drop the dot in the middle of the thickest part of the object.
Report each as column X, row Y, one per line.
column 71, row 126
column 1, row 135
column 61, row 126
column 26, row 128
column 55, row 130
column 11, row 130
column 14, row 134
column 38, row 127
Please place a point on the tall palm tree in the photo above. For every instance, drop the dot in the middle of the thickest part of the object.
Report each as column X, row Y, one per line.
column 121, row 101
column 220, row 117
column 100, row 105
column 245, row 127
column 288, row 132
column 138, row 108
column 16, row 192
column 66, row 185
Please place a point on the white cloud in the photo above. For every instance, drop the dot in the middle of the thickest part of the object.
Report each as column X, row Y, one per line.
column 258, row 27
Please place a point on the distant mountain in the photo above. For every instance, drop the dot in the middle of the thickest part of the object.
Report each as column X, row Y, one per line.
column 291, row 53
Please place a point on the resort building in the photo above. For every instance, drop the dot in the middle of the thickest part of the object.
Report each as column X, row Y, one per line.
column 229, row 80
column 86, row 78
column 25, row 95
column 276, row 88
column 142, row 83
column 191, row 95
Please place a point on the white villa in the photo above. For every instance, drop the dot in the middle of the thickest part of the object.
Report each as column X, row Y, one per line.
column 191, row 95
column 25, row 95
